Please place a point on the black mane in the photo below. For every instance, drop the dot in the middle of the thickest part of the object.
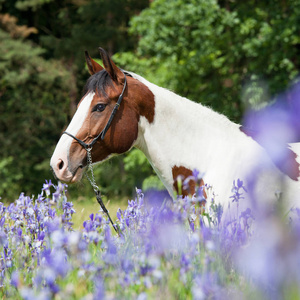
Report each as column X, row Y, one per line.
column 98, row 83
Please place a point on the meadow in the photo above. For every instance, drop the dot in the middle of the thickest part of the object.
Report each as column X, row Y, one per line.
column 233, row 56
column 171, row 249
column 84, row 206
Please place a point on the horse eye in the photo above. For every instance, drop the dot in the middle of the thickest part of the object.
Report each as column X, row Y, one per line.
column 100, row 107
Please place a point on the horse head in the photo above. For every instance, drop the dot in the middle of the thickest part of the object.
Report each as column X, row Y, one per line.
column 94, row 111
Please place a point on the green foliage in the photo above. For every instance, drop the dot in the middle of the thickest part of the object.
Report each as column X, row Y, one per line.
column 122, row 174
column 152, row 182
column 31, row 4
column 38, row 83
column 8, row 179
column 139, row 172
column 207, row 50
column 225, row 54
column 34, row 102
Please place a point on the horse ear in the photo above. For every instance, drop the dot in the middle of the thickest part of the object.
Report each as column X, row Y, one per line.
column 114, row 72
column 92, row 65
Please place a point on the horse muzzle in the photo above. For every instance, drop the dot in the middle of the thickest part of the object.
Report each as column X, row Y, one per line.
column 63, row 172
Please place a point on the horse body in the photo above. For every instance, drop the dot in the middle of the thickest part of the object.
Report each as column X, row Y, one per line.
column 176, row 135
column 187, row 135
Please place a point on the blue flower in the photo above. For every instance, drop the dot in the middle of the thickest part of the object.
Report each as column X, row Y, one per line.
column 2, row 221
column 15, row 279
column 47, row 186
column 99, row 289
column 236, row 190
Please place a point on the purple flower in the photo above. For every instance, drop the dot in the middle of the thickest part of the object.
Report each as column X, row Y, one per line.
column 28, row 294
column 196, row 174
column 246, row 216
column 126, row 265
column 55, row 262
column 40, row 198
column 119, row 214
column 2, row 221
column 47, row 186
column 192, row 225
column 205, row 287
column 92, row 217
column 199, row 196
column 7, row 254
column 236, row 190
column 99, row 289
column 15, row 279
column 19, row 232
column 2, row 208
column 185, row 263
column 277, row 125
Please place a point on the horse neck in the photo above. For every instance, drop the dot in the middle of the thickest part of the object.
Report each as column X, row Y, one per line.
column 193, row 136
column 183, row 134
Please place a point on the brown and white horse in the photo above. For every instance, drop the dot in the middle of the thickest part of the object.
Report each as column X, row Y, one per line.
column 176, row 135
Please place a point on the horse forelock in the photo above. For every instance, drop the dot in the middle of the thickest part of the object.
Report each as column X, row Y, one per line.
column 142, row 95
column 98, row 83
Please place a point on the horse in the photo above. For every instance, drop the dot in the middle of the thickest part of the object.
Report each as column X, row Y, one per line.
column 176, row 135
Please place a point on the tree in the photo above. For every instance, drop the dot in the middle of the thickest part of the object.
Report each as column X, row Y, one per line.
column 42, row 70
column 34, row 101
column 211, row 51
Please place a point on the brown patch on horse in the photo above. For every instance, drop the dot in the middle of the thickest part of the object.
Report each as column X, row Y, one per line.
column 142, row 98
column 119, row 137
column 137, row 101
column 185, row 173
column 288, row 165
column 138, row 94
column 123, row 132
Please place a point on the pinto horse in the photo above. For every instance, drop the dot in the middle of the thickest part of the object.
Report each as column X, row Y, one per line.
column 176, row 135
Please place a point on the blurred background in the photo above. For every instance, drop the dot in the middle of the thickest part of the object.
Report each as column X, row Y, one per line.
column 230, row 55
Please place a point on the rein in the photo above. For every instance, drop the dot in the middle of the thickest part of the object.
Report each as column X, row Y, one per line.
column 89, row 147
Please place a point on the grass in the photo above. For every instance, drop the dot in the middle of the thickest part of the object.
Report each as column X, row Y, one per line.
column 85, row 206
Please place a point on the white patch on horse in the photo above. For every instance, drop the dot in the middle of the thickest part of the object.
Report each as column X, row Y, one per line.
column 63, row 145
column 191, row 135
column 80, row 115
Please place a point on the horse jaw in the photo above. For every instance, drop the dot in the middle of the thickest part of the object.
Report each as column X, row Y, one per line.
column 67, row 166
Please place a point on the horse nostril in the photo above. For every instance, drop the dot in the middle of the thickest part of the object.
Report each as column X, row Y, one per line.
column 61, row 164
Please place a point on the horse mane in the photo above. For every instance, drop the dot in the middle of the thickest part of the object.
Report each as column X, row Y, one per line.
column 98, row 83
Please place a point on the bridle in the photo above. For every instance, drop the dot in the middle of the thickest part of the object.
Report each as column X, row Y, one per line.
column 89, row 147
column 101, row 135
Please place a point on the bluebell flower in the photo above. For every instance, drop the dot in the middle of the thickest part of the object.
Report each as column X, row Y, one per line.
column 47, row 186
column 119, row 214
column 40, row 198
column 205, row 287
column 142, row 296
column 15, row 279
column 2, row 221
column 196, row 174
column 7, row 254
column 29, row 294
column 99, row 289
column 237, row 191
column 277, row 125
column 2, row 208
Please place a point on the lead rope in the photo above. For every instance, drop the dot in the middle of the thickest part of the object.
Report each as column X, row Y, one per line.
column 96, row 188
column 88, row 148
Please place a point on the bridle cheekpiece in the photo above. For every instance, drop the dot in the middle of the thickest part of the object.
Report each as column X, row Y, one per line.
column 101, row 135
